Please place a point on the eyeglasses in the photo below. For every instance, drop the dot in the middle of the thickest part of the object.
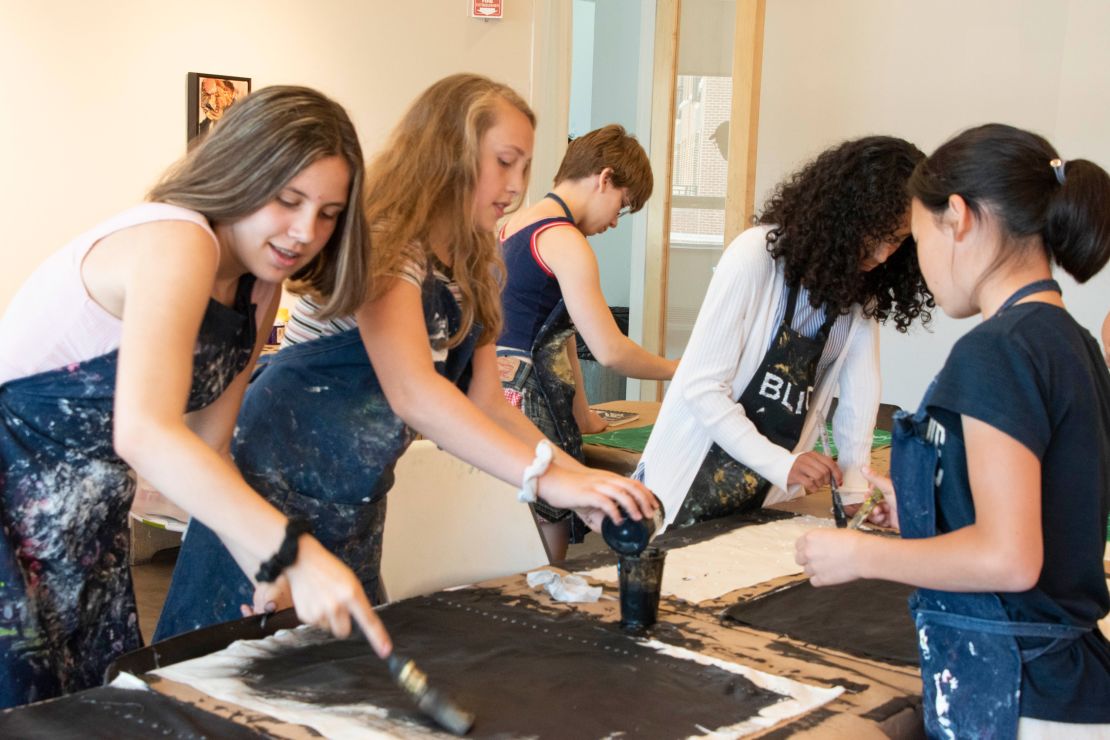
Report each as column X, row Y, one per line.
column 625, row 210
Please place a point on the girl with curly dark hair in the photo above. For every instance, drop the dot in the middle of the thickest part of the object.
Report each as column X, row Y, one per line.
column 792, row 314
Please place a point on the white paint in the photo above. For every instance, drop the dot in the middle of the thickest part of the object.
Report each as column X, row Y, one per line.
column 218, row 676
column 734, row 560
column 798, row 698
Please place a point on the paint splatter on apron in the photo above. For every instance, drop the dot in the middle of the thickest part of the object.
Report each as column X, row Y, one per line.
column 546, row 387
column 318, row 439
column 67, row 608
column 776, row 401
column 971, row 663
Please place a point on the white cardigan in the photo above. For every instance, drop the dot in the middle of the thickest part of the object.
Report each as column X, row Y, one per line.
column 726, row 348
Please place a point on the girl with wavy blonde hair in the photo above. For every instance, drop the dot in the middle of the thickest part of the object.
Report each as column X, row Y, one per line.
column 325, row 422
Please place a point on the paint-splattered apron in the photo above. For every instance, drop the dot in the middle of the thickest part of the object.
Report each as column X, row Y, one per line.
column 776, row 401
column 67, row 608
column 546, row 386
column 317, row 437
column 970, row 659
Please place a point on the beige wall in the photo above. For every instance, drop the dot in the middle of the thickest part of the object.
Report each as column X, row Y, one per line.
column 923, row 71
column 93, row 91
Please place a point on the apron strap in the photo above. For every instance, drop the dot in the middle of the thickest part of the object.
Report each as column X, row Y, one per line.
column 1034, row 287
column 562, row 203
column 788, row 317
column 1061, row 635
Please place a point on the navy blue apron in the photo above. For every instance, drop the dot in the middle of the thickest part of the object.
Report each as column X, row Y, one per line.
column 776, row 401
column 67, row 608
column 970, row 658
column 318, row 439
column 547, row 388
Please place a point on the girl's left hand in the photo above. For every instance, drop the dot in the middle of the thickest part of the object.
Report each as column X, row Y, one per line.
column 829, row 556
column 592, row 424
column 269, row 598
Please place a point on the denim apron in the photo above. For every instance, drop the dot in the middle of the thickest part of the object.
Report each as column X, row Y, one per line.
column 317, row 438
column 776, row 401
column 971, row 662
column 67, row 608
column 546, row 385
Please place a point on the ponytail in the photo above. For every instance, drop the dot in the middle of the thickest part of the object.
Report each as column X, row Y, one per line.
column 1077, row 221
column 1019, row 178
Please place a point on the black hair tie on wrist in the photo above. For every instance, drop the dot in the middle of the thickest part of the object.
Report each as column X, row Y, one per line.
column 286, row 555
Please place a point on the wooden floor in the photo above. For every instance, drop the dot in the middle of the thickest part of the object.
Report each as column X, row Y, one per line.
column 152, row 582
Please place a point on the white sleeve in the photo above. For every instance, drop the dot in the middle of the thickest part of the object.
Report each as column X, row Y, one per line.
column 854, row 421
column 710, row 363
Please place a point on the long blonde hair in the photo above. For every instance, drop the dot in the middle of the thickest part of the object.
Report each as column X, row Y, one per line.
column 258, row 146
column 428, row 171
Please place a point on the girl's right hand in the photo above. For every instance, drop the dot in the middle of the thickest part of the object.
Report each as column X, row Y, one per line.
column 587, row 488
column 327, row 594
column 885, row 513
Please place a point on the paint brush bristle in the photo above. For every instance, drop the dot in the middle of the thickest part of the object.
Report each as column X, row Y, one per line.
column 431, row 702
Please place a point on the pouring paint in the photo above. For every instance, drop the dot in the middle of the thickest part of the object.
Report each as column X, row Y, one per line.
column 641, row 580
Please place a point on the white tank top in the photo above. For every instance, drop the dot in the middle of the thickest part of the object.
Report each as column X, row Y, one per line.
column 52, row 321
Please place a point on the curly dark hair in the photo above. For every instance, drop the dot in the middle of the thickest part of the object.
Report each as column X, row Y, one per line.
column 826, row 216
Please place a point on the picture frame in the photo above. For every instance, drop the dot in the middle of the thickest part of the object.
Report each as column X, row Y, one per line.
column 209, row 97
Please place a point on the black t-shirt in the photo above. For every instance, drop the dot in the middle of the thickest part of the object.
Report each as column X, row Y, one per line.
column 1035, row 374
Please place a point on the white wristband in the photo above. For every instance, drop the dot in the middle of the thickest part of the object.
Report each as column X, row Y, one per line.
column 539, row 466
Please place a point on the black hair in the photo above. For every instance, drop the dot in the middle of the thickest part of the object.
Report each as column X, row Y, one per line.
column 828, row 215
column 1012, row 174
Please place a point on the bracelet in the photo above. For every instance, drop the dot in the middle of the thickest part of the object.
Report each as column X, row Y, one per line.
column 286, row 555
column 539, row 466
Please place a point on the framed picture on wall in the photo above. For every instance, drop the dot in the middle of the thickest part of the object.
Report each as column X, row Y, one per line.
column 210, row 96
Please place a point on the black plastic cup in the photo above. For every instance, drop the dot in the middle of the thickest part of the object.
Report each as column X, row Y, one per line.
column 641, row 578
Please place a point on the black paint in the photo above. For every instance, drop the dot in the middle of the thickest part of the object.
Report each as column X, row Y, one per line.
column 523, row 672
column 641, row 579
column 868, row 618
column 118, row 713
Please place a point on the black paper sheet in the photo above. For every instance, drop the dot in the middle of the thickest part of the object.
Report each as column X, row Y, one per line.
column 864, row 617
column 113, row 713
column 523, row 672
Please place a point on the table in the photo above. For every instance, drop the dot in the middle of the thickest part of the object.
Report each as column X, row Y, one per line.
column 622, row 462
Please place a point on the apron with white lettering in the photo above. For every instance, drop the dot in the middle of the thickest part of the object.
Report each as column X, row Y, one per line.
column 776, row 401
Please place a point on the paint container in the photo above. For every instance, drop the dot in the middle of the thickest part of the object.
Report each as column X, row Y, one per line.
column 630, row 537
column 641, row 578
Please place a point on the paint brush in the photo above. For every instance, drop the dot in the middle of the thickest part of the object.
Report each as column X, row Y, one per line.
column 838, row 503
column 437, row 705
column 865, row 509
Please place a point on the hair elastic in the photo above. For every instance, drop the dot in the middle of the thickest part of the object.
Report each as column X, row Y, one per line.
column 1057, row 166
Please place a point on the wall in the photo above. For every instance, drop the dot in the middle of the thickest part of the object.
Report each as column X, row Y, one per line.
column 94, row 90
column 925, row 71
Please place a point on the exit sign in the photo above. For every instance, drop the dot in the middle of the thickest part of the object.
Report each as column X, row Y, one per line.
column 485, row 9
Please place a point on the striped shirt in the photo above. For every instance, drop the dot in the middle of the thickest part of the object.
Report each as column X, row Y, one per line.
column 303, row 326
column 807, row 322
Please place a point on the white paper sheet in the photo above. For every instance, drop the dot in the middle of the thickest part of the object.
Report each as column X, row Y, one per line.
column 218, row 675
column 736, row 559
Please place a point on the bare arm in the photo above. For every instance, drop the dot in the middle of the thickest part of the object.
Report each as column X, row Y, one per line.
column 165, row 293
column 570, row 257
column 1001, row 551
column 394, row 332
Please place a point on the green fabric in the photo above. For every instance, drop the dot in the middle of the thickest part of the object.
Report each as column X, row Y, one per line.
column 880, row 438
column 634, row 439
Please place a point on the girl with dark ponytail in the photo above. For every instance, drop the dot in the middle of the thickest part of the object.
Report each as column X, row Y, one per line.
column 1003, row 474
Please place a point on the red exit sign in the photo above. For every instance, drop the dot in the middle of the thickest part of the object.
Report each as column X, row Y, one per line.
column 485, row 9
